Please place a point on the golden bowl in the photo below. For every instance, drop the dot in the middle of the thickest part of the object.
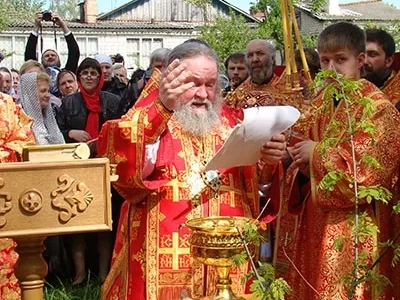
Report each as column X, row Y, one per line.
column 215, row 240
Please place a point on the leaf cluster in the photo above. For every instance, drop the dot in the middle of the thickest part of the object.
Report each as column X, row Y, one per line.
column 18, row 10
column 374, row 192
column 266, row 286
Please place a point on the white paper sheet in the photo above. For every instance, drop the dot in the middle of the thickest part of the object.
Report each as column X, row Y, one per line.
column 259, row 124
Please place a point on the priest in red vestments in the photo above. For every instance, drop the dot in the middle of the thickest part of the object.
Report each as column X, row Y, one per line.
column 161, row 147
column 15, row 132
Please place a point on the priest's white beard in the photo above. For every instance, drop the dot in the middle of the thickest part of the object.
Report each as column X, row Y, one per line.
column 199, row 122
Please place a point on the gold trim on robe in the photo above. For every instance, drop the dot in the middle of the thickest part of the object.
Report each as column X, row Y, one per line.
column 151, row 258
column 308, row 228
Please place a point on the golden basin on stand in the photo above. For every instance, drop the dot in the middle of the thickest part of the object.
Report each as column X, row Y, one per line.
column 214, row 241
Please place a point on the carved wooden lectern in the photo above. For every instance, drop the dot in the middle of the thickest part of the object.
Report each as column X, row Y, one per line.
column 38, row 199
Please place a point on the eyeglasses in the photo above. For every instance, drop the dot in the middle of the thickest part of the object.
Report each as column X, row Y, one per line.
column 86, row 74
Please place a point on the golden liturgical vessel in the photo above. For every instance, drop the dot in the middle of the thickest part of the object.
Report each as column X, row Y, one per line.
column 214, row 241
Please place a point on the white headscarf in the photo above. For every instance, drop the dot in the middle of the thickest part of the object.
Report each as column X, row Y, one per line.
column 44, row 127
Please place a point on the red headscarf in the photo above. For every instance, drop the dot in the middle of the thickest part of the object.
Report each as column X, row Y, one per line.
column 92, row 102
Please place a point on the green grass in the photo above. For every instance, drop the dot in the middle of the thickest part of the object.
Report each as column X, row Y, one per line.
column 64, row 290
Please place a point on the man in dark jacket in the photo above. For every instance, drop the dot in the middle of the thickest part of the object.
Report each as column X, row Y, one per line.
column 50, row 57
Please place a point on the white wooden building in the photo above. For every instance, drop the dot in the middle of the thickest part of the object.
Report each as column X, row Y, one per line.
column 133, row 30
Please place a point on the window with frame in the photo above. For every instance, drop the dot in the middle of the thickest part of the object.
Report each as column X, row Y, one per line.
column 139, row 51
column 88, row 47
column 14, row 48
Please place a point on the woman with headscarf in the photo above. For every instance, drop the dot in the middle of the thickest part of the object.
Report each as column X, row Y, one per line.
column 35, row 99
column 80, row 118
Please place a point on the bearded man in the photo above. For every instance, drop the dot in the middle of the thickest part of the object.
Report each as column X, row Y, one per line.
column 161, row 147
column 263, row 87
column 379, row 65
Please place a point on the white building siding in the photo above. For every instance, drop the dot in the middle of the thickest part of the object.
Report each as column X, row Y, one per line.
column 91, row 42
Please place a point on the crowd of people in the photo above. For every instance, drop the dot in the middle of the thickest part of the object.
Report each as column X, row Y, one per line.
column 165, row 123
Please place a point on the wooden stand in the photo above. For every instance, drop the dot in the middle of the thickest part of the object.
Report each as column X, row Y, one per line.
column 50, row 198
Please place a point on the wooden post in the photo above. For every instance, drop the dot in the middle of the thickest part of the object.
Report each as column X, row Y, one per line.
column 31, row 268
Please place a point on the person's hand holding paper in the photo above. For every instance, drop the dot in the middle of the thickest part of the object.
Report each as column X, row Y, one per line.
column 259, row 125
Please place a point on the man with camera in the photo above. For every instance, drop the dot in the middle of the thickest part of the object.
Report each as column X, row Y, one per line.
column 50, row 57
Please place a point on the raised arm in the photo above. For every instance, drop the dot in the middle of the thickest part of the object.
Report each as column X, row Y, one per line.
column 30, row 49
column 73, row 48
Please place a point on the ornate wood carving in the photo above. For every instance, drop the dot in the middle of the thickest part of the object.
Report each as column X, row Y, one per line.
column 5, row 204
column 31, row 201
column 70, row 197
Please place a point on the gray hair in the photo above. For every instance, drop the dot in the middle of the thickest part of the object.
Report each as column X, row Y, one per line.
column 160, row 54
column 190, row 50
column 118, row 66
column 270, row 46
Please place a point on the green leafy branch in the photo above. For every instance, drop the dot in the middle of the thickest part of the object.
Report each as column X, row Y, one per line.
column 264, row 286
column 338, row 88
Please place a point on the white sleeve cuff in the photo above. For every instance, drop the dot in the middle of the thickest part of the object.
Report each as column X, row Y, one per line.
column 150, row 158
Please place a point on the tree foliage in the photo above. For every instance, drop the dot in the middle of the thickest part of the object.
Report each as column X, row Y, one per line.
column 272, row 25
column 228, row 35
column 67, row 9
column 18, row 10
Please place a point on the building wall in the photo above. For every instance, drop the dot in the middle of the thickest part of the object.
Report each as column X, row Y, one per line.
column 135, row 46
column 310, row 25
column 169, row 11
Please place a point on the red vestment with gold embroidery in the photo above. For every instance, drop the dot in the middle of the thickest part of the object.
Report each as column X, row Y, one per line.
column 151, row 257
column 392, row 87
column 310, row 221
column 250, row 94
column 15, row 132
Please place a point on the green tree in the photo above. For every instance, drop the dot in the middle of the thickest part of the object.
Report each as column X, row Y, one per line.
column 18, row 10
column 67, row 9
column 272, row 25
column 228, row 35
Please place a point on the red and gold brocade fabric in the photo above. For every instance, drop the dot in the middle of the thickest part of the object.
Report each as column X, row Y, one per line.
column 9, row 287
column 15, row 133
column 392, row 87
column 15, row 130
column 308, row 238
column 249, row 94
column 151, row 258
